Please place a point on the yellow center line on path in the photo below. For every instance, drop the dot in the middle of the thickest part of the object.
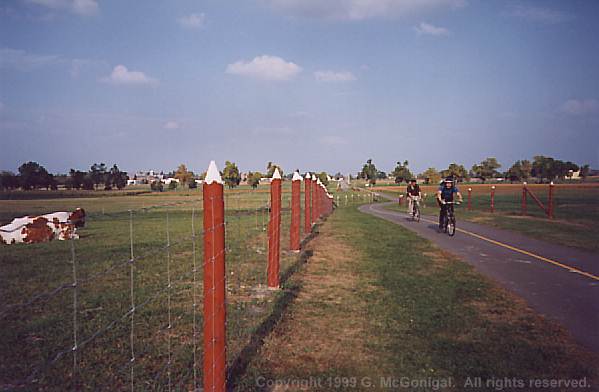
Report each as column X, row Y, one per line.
column 513, row 248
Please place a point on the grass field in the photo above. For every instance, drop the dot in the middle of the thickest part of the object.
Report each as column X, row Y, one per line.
column 576, row 211
column 34, row 334
column 384, row 303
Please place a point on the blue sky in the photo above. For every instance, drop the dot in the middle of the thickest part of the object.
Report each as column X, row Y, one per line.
column 308, row 84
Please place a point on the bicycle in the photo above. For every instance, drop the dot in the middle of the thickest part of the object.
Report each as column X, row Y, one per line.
column 449, row 218
column 415, row 213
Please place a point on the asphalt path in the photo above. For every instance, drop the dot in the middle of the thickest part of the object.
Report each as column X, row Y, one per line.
column 559, row 282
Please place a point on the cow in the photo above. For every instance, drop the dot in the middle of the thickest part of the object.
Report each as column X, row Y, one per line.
column 33, row 229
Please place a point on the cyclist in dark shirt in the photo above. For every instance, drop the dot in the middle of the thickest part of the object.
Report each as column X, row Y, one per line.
column 413, row 193
column 444, row 195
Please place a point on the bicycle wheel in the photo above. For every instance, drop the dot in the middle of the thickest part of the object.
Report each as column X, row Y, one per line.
column 451, row 226
column 417, row 214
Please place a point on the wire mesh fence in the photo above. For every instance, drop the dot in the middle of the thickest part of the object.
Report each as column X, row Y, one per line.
column 123, row 307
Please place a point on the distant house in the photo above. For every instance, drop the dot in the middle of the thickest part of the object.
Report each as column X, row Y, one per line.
column 167, row 181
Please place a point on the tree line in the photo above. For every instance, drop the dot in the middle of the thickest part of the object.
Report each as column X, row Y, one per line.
column 541, row 168
column 32, row 175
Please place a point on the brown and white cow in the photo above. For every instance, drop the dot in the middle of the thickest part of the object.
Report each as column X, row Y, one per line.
column 32, row 229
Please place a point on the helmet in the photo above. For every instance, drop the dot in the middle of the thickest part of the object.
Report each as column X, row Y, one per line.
column 413, row 180
column 448, row 179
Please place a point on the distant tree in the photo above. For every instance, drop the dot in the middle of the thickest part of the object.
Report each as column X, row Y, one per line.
column 173, row 185
column 182, row 174
column 75, row 180
column 549, row 168
column 98, row 174
column 456, row 171
column 254, row 179
column 369, row 172
column 381, row 175
column 430, row 176
column 486, row 169
column 520, row 171
column 231, row 174
column 402, row 172
column 88, row 183
column 270, row 169
column 156, row 186
column 115, row 178
column 8, row 180
column 192, row 184
column 324, row 178
column 584, row 171
column 32, row 175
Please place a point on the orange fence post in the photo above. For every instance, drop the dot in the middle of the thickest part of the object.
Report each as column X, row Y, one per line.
column 307, row 203
column 274, row 238
column 296, row 190
column 523, row 206
column 550, row 201
column 493, row 198
column 214, row 281
column 469, row 199
column 314, row 199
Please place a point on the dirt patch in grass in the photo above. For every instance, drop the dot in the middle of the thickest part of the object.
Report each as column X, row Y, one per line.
column 326, row 329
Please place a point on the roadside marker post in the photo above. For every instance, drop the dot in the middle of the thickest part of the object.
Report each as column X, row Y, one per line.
column 550, row 201
column 296, row 190
column 214, row 281
column 307, row 203
column 274, row 231
column 469, row 199
column 523, row 207
column 493, row 198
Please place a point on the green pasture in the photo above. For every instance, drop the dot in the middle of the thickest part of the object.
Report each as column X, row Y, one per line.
column 35, row 333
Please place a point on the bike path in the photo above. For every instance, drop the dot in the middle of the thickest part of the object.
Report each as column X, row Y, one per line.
column 559, row 282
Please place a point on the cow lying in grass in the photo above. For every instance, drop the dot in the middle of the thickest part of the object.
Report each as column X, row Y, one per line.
column 32, row 229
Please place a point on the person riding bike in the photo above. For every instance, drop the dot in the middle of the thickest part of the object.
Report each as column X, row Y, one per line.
column 413, row 194
column 444, row 195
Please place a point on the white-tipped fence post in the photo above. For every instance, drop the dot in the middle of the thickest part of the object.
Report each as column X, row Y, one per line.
column 274, row 231
column 214, row 281
column 314, row 199
column 296, row 190
column 307, row 203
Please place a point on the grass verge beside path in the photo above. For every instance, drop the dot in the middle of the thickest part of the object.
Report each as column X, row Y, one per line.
column 379, row 305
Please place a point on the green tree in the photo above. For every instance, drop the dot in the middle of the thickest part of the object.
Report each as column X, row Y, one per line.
column 254, row 179
column 8, row 180
column 584, row 171
column 270, row 169
column 98, row 174
column 324, row 178
column 456, row 171
column 173, row 185
column 369, row 172
column 156, row 186
column 182, row 174
column 32, row 175
column 231, row 174
column 430, row 176
column 486, row 169
column 402, row 172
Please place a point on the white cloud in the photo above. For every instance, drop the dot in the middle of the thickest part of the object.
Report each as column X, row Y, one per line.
column 358, row 9
column 427, row 28
column 80, row 7
column 265, row 68
column 24, row 61
column 192, row 21
column 121, row 75
column 539, row 14
column 171, row 125
column 332, row 76
column 579, row 107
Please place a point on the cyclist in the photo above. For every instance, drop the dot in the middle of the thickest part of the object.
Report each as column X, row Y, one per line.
column 444, row 195
column 413, row 194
